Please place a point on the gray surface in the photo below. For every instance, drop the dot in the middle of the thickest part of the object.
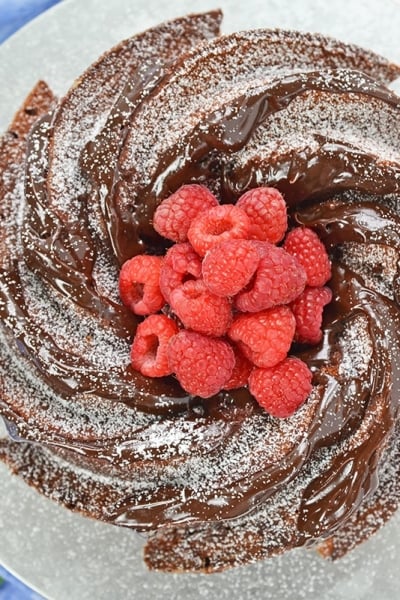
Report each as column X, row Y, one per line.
column 65, row 556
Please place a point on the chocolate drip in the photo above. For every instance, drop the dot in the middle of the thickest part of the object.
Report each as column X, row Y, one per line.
column 344, row 405
column 332, row 167
column 62, row 257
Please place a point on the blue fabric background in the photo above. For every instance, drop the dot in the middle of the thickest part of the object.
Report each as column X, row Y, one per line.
column 13, row 15
column 12, row 589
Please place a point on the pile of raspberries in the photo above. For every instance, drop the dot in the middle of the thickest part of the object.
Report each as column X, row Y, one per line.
column 224, row 305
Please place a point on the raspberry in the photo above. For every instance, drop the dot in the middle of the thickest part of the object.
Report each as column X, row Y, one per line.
column 200, row 310
column 266, row 210
column 305, row 245
column 229, row 266
column 139, row 287
column 307, row 310
column 180, row 264
column 216, row 225
column 149, row 347
column 201, row 364
column 279, row 279
column 264, row 337
column 174, row 215
column 283, row 388
column 241, row 371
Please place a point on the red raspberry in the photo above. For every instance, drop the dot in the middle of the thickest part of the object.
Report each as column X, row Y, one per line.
column 241, row 371
column 228, row 267
column 216, row 225
column 181, row 263
column 283, row 388
column 305, row 245
column 266, row 210
column 149, row 347
column 279, row 279
column 200, row 310
column 265, row 337
column 201, row 364
column 307, row 310
column 139, row 287
column 174, row 215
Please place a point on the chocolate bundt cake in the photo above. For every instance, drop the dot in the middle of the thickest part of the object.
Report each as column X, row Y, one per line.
column 214, row 482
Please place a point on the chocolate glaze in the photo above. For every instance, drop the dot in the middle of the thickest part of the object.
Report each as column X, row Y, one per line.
column 306, row 180
column 330, row 168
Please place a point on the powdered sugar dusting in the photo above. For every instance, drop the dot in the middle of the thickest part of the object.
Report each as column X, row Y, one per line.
column 84, row 111
column 74, row 330
column 378, row 264
column 316, row 116
column 186, row 97
column 357, row 349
